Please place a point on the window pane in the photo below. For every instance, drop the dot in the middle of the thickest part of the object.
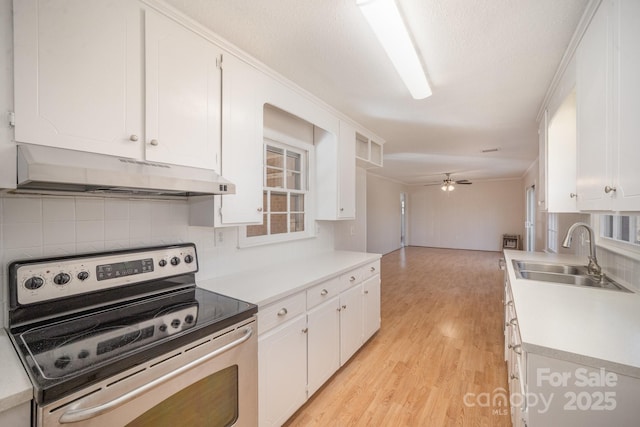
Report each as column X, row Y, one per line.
column 297, row 203
column 258, row 230
column 294, row 161
column 275, row 157
column 294, row 180
column 624, row 229
column 275, row 178
column 297, row 222
column 278, row 223
column 278, row 202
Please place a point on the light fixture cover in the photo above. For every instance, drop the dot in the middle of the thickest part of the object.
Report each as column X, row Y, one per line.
column 385, row 20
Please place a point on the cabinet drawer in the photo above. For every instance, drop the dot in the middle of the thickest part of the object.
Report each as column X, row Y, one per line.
column 350, row 278
column 281, row 311
column 323, row 292
column 370, row 270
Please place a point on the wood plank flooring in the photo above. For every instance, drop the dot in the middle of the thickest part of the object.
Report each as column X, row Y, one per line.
column 441, row 339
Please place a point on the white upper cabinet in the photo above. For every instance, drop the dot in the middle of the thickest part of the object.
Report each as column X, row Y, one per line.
column 608, row 105
column 242, row 141
column 79, row 82
column 182, row 95
column 78, row 75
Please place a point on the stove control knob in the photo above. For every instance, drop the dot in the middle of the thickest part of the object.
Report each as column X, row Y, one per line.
column 83, row 354
column 62, row 362
column 175, row 260
column 61, row 279
column 162, row 327
column 175, row 323
column 188, row 319
column 162, row 262
column 188, row 259
column 83, row 275
column 34, row 282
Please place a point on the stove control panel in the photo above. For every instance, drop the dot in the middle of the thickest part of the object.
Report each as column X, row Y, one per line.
column 49, row 280
column 91, row 348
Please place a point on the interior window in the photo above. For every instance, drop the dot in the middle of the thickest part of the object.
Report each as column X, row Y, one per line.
column 285, row 191
column 621, row 228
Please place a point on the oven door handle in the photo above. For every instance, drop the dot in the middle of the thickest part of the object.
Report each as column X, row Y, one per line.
column 75, row 415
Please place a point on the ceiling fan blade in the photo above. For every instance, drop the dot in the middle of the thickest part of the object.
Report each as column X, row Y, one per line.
column 464, row 182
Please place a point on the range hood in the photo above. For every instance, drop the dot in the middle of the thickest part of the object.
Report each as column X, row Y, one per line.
column 50, row 169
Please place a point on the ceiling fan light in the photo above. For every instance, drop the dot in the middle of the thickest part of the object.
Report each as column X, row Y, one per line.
column 387, row 24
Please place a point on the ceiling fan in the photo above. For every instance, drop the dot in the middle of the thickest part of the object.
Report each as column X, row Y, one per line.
column 448, row 184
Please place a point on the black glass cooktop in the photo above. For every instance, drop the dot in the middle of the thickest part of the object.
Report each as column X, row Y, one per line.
column 63, row 355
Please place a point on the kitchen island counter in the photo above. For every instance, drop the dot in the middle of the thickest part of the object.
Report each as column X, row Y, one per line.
column 590, row 326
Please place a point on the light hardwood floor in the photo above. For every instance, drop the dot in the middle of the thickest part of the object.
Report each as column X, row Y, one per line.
column 441, row 339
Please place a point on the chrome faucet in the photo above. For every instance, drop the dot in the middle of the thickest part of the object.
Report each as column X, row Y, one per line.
column 593, row 268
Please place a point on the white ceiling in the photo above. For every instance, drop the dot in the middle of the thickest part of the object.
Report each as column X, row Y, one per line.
column 489, row 63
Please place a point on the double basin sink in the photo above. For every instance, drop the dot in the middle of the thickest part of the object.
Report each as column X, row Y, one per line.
column 566, row 274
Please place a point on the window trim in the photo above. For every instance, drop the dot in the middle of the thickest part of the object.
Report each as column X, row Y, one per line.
column 283, row 141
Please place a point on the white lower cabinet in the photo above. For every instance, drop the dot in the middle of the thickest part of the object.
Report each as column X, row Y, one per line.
column 300, row 347
column 323, row 343
column 17, row 416
column 350, row 322
column 282, row 372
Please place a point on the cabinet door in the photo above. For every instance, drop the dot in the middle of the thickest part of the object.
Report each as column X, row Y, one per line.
column 350, row 322
column 323, row 343
column 371, row 306
column 628, row 84
column 541, row 189
column 182, row 95
column 346, row 172
column 282, row 372
column 242, row 144
column 593, row 108
column 78, row 75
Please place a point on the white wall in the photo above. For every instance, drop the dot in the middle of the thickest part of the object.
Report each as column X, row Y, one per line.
column 383, row 214
column 7, row 147
column 470, row 217
column 351, row 235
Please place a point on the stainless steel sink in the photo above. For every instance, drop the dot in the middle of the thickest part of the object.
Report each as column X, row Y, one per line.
column 576, row 275
column 550, row 268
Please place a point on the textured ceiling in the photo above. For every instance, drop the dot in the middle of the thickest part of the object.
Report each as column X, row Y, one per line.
column 489, row 63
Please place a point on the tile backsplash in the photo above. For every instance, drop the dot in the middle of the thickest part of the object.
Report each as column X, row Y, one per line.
column 41, row 226
column 622, row 268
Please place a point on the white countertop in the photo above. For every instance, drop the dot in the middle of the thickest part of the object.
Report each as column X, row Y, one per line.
column 266, row 285
column 15, row 386
column 594, row 327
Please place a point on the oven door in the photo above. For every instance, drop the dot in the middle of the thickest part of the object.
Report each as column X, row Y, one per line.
column 211, row 382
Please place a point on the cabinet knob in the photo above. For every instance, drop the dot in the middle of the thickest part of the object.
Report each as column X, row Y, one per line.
column 609, row 189
column 282, row 312
column 373, row 269
column 305, row 330
column 324, row 292
column 133, row 138
column 259, row 209
column 341, row 209
column 513, row 376
column 573, row 195
column 338, row 309
column 366, row 292
column 344, row 307
column 352, row 279
column 153, row 142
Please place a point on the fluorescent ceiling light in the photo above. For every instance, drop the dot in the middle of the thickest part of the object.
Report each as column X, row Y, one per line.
column 385, row 20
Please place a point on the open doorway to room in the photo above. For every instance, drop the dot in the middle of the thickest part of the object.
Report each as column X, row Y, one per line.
column 403, row 220
column 530, row 221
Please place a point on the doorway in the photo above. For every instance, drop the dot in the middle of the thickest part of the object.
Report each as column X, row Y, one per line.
column 403, row 220
column 530, row 221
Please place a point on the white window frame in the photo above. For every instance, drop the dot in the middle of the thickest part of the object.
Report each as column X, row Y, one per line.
column 552, row 233
column 279, row 140
column 627, row 249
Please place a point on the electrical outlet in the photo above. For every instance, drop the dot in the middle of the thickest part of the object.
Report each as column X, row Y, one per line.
column 220, row 236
